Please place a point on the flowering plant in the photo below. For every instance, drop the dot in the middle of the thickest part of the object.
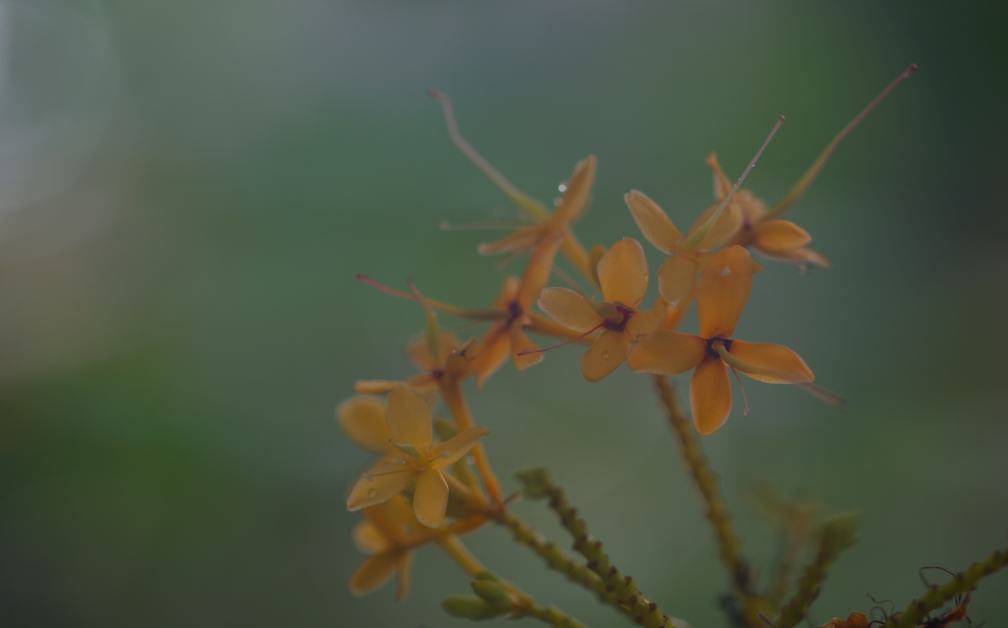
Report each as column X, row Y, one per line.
column 433, row 482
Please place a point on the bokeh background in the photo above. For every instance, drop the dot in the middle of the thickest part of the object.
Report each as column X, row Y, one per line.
column 187, row 189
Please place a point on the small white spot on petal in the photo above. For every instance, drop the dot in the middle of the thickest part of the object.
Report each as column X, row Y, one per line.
column 725, row 271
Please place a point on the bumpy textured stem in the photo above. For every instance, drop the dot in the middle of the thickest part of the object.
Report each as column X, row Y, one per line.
column 836, row 535
column 550, row 615
column 632, row 602
column 555, row 558
column 516, row 602
column 729, row 546
column 939, row 596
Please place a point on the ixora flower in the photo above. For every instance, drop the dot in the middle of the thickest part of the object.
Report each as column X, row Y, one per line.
column 454, row 361
column 623, row 276
column 771, row 237
column 576, row 194
column 677, row 275
column 417, row 458
column 721, row 294
column 386, row 534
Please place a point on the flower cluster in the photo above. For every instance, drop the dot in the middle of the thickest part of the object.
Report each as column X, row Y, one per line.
column 432, row 480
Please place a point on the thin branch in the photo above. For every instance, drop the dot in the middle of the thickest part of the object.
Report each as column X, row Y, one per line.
column 729, row 546
column 632, row 602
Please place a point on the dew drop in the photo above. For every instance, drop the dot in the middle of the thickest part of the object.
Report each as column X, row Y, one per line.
column 605, row 355
column 562, row 187
column 725, row 271
column 372, row 493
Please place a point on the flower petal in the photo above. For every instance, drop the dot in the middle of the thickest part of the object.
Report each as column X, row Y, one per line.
column 375, row 386
column 643, row 323
column 430, row 498
column 409, row 417
column 723, row 290
column 607, row 352
column 451, row 450
column 722, row 184
column 380, row 483
column 418, row 349
column 518, row 240
column 575, row 197
column 775, row 236
column 667, row 353
column 369, row 539
column 363, row 419
column 710, row 395
column 569, row 308
column 673, row 315
column 373, row 573
column 537, row 271
column 770, row 363
column 654, row 224
column 524, row 352
column 623, row 273
column 677, row 279
column 491, row 352
column 727, row 225
column 403, row 575
column 393, row 518
column 801, row 256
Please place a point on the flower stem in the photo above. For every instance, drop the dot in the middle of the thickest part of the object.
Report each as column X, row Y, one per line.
column 451, row 391
column 631, row 602
column 729, row 546
column 517, row 602
column 916, row 612
column 836, row 535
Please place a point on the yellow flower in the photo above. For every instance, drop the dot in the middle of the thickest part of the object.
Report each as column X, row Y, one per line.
column 363, row 419
column 623, row 277
column 417, row 459
column 385, row 533
column 722, row 293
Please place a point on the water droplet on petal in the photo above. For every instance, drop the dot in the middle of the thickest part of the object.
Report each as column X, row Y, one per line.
column 372, row 493
column 605, row 355
column 725, row 271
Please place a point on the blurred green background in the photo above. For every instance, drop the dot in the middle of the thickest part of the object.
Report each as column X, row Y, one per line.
column 187, row 189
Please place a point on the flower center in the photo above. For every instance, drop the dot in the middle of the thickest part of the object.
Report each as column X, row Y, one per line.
column 714, row 343
column 514, row 312
column 619, row 321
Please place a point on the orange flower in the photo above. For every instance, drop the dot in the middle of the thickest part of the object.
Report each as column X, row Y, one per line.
column 715, row 226
column 417, row 459
column 773, row 238
column 385, row 534
column 761, row 227
column 571, row 206
column 455, row 361
column 549, row 225
column 677, row 275
column 721, row 294
column 508, row 336
column 623, row 277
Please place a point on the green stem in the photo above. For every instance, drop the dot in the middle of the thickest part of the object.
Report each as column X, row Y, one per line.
column 836, row 535
column 729, row 546
column 632, row 602
column 555, row 558
column 917, row 611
